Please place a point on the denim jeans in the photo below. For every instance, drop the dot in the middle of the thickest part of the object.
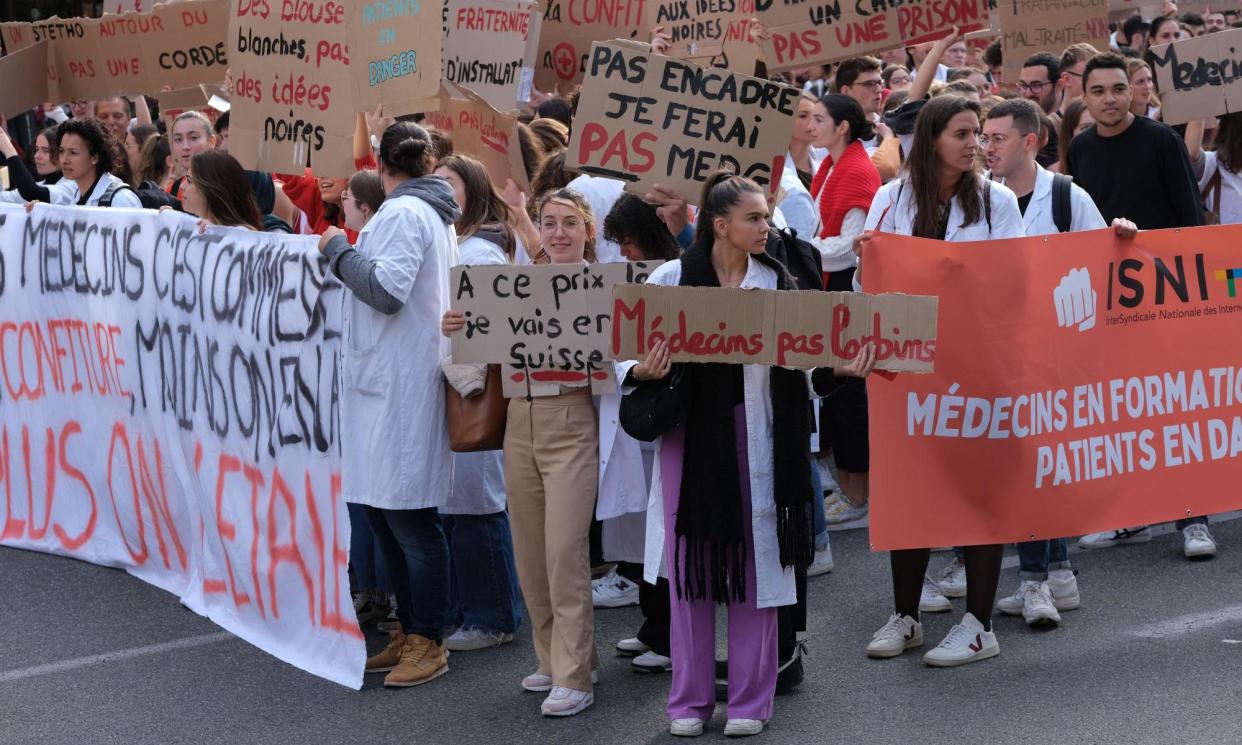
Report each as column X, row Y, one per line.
column 416, row 553
column 370, row 574
column 483, row 586
column 820, row 520
column 1037, row 558
column 1183, row 524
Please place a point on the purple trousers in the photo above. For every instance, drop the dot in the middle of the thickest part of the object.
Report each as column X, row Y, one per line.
column 753, row 657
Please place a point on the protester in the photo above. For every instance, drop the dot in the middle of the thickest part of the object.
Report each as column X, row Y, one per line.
column 1075, row 120
column 552, row 135
column 134, row 140
column 1221, row 166
column 943, row 197
column 975, row 77
column 1069, row 86
column 802, row 158
column 87, row 156
column 1143, row 101
column 728, row 544
column 1131, row 35
column 216, row 190
column 1163, row 30
column 551, row 456
column 1038, row 82
column 896, row 78
column 114, row 114
column 395, row 454
column 191, row 133
column 1213, row 22
column 43, row 163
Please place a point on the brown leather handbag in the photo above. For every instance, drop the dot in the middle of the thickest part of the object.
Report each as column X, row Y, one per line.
column 477, row 423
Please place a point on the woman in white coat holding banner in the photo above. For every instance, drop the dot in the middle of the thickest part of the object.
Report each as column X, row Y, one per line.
column 942, row 196
column 394, row 437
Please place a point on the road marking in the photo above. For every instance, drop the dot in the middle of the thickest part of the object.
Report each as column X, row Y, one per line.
column 78, row 663
column 1189, row 624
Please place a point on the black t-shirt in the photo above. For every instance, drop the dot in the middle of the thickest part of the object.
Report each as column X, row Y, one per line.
column 1142, row 174
column 1050, row 153
column 1024, row 202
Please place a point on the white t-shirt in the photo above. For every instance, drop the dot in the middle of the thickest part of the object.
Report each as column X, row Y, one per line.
column 1230, row 189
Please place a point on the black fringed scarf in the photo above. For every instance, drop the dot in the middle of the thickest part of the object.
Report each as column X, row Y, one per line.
column 709, row 510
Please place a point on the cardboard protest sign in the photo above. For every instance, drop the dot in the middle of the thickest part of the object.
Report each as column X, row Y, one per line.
column 485, row 44
column 646, row 119
column 177, row 396
column 736, row 55
column 19, row 65
column 1048, row 415
column 769, row 327
column 481, row 132
column 1200, row 77
column 804, row 34
column 569, row 28
column 394, row 54
column 1032, row 26
column 702, row 27
column 176, row 46
column 548, row 324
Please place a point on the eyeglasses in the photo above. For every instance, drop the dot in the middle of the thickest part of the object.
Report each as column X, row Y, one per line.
column 346, row 195
column 997, row 140
column 871, row 85
column 1035, row 87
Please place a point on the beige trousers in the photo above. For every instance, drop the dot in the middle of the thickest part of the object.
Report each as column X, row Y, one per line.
column 551, row 470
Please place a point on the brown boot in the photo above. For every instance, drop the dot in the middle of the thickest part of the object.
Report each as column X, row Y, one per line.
column 387, row 659
column 422, row 660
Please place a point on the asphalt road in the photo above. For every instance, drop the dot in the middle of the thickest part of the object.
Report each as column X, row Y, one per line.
column 91, row 655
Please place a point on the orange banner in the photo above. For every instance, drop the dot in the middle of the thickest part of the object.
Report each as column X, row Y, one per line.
column 1082, row 383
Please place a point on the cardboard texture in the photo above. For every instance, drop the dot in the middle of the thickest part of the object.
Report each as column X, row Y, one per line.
column 701, row 28
column 195, row 97
column 481, row 132
column 646, row 119
column 175, row 46
column 1031, row 26
column 1200, row 77
column 767, row 327
column 485, row 46
column 737, row 55
column 804, row 34
column 24, row 64
column 549, row 325
column 570, row 27
column 303, row 70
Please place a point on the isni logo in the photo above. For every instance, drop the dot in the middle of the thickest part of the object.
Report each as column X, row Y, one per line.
column 1075, row 300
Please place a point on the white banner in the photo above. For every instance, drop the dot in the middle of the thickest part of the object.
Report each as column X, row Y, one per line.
column 169, row 405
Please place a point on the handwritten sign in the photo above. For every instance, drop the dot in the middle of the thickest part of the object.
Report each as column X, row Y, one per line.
column 571, row 26
column 1032, row 26
column 767, row 327
column 548, row 324
column 646, row 119
column 485, row 44
column 170, row 408
column 1199, row 78
column 16, row 99
column 821, row 31
column 702, row 27
column 174, row 46
column 481, row 132
column 302, row 69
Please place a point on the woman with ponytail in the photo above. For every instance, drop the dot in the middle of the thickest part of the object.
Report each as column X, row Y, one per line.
column 731, row 492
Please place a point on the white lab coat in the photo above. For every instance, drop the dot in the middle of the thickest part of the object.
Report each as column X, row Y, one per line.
column 1038, row 218
column 622, row 483
column 478, row 478
column 889, row 215
column 394, row 436
column 66, row 192
column 774, row 583
column 797, row 207
column 1230, row 189
column 601, row 193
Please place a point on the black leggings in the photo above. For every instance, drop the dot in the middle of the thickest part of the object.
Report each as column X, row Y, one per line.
column 983, row 566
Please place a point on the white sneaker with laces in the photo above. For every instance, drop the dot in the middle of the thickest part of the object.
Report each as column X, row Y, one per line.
column 1110, row 538
column 631, row 647
column 566, row 702
column 466, row 640
column 613, row 591
column 896, row 636
column 933, row 600
column 743, row 727
column 1064, row 587
column 1037, row 607
column 822, row 564
column 841, row 512
column 650, row 662
column 965, row 643
column 537, row 683
column 952, row 579
column 686, row 727
column 1197, row 541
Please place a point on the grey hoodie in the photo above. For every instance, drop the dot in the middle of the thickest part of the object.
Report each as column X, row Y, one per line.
column 433, row 190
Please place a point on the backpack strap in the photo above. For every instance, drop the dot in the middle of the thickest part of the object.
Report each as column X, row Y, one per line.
column 105, row 200
column 987, row 204
column 1062, row 211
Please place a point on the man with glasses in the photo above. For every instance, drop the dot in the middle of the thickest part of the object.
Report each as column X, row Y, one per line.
column 860, row 79
column 1069, row 86
column 1037, row 83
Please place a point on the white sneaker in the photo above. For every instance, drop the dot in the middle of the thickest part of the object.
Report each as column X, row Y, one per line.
column 896, row 636
column 952, row 579
column 1197, row 541
column 466, row 640
column 685, row 727
column 631, row 647
column 650, row 662
column 613, row 591
column 540, row 683
column 743, row 727
column 565, row 702
column 1110, row 538
column 822, row 564
column 933, row 600
column 839, row 512
column 1037, row 607
column 965, row 643
column 1064, row 587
